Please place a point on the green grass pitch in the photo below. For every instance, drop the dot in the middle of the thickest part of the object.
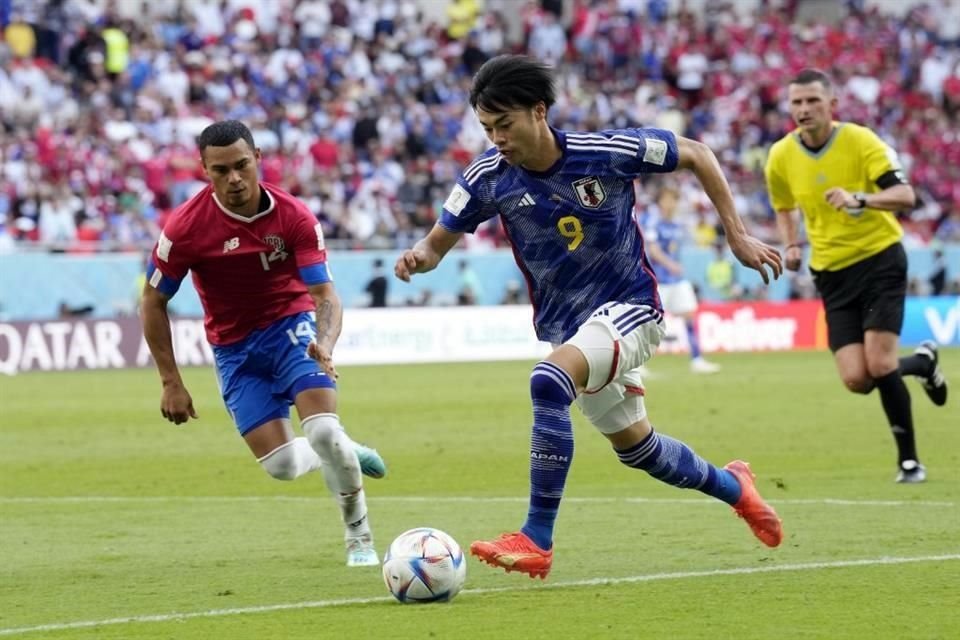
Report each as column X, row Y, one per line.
column 115, row 524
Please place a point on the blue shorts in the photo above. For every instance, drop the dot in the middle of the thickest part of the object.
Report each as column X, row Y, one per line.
column 261, row 375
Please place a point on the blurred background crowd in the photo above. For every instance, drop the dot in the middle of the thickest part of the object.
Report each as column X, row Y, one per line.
column 360, row 106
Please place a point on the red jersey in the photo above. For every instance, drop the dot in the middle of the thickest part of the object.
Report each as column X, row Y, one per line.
column 249, row 272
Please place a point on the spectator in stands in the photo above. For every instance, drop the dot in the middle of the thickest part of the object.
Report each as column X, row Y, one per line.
column 377, row 286
column 514, row 294
column 938, row 274
column 461, row 16
column 66, row 311
column 470, row 287
column 20, row 36
column 720, row 273
column 949, row 229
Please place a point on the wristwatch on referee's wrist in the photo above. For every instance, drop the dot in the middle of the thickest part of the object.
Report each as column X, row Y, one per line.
column 861, row 199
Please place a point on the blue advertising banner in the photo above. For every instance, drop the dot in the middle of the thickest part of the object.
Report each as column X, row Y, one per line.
column 929, row 318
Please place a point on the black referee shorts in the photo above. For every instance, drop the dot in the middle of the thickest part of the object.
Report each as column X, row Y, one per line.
column 869, row 294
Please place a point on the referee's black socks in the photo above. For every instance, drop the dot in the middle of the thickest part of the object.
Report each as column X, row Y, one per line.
column 896, row 404
column 916, row 365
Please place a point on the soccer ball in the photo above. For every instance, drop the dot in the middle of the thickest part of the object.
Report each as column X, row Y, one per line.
column 424, row 565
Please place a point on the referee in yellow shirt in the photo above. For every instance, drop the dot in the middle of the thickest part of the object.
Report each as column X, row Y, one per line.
column 846, row 181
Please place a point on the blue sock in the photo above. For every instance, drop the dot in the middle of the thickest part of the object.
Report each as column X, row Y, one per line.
column 675, row 463
column 692, row 339
column 551, row 449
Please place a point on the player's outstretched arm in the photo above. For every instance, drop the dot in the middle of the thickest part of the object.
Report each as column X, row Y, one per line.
column 329, row 324
column 426, row 254
column 176, row 405
column 752, row 253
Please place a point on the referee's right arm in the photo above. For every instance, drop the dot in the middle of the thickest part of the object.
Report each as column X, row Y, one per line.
column 788, row 215
column 788, row 222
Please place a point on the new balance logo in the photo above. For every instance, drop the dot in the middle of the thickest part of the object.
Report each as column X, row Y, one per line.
column 527, row 200
column 231, row 244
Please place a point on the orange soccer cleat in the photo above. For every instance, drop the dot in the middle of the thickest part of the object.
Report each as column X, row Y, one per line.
column 751, row 507
column 514, row 552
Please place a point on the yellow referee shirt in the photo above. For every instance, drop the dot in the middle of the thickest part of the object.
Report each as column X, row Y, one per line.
column 853, row 158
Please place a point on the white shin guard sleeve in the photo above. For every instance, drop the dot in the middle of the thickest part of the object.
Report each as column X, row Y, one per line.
column 291, row 460
column 340, row 467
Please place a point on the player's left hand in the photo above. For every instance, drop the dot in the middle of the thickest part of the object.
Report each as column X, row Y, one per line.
column 755, row 254
column 324, row 357
column 840, row 198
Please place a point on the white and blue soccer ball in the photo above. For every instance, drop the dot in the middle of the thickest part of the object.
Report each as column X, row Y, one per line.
column 424, row 565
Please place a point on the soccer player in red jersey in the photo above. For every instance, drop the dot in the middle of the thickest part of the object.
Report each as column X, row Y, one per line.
column 272, row 317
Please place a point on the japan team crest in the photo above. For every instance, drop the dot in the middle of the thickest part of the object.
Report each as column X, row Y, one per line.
column 590, row 192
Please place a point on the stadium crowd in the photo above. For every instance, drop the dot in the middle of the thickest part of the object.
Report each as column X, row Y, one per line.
column 360, row 105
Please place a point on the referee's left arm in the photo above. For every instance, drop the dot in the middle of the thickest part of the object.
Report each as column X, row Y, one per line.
column 882, row 168
column 899, row 197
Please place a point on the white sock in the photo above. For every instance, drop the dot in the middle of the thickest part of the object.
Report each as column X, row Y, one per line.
column 341, row 469
column 353, row 506
column 291, row 460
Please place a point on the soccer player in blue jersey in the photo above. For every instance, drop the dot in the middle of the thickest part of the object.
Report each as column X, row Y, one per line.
column 665, row 236
column 566, row 202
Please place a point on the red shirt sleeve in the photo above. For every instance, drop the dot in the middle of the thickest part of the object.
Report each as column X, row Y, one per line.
column 172, row 255
column 308, row 243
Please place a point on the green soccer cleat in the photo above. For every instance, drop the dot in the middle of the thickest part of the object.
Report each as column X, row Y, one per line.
column 371, row 463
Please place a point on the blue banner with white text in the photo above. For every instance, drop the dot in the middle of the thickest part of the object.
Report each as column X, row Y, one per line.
column 932, row 318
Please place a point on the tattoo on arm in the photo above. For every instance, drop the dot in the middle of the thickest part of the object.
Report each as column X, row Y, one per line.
column 325, row 323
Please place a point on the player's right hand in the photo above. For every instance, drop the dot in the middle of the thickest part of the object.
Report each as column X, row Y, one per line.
column 176, row 405
column 792, row 258
column 409, row 263
column 324, row 357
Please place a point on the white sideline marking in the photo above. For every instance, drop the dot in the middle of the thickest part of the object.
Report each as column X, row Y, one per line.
column 317, row 604
column 451, row 499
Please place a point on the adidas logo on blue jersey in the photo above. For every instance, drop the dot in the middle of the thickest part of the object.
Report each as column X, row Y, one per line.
column 527, row 200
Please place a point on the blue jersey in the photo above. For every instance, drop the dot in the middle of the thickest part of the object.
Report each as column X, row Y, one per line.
column 572, row 226
column 669, row 237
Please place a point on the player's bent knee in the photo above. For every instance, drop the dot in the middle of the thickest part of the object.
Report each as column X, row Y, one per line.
column 613, row 409
column 880, row 369
column 322, row 430
column 600, row 351
column 281, row 463
column 330, row 441
column 548, row 381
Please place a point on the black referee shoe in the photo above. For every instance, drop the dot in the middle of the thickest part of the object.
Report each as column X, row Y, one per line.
column 934, row 383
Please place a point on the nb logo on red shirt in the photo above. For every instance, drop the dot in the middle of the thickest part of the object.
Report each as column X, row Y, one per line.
column 231, row 244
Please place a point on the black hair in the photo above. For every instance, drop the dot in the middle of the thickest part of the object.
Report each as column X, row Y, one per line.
column 809, row 76
column 224, row 134
column 512, row 82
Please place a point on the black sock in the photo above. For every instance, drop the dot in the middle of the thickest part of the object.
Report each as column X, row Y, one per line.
column 896, row 404
column 915, row 365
